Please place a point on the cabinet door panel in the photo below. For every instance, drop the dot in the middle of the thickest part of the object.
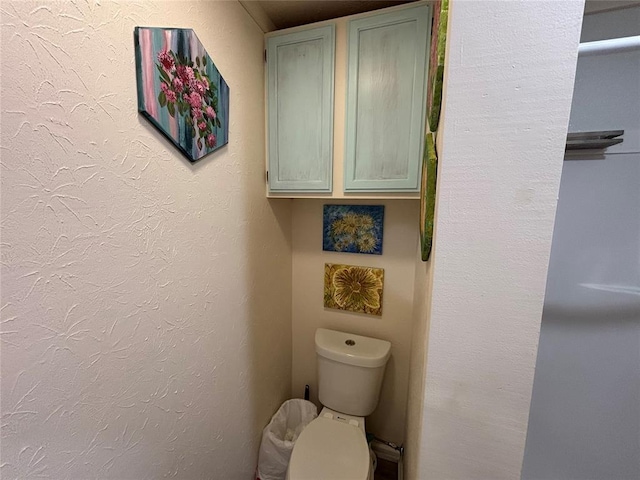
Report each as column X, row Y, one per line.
column 386, row 100
column 300, row 94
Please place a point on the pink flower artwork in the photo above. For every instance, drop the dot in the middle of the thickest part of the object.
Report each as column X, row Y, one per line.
column 198, row 86
column 180, row 90
column 177, row 84
column 166, row 60
column 194, row 99
column 171, row 96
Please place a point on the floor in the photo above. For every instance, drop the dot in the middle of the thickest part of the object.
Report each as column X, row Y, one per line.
column 386, row 470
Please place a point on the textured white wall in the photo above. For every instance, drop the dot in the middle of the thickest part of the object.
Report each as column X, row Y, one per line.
column 510, row 76
column 585, row 408
column 398, row 261
column 146, row 302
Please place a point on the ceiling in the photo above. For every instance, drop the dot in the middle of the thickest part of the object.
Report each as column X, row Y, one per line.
column 285, row 14
column 290, row 13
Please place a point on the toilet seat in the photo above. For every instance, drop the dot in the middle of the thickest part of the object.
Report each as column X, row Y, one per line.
column 330, row 449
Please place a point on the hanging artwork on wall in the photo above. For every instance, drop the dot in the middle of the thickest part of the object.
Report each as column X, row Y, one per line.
column 353, row 228
column 428, row 196
column 180, row 90
column 353, row 288
column 436, row 61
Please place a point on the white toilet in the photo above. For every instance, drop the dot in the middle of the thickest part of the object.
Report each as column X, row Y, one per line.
column 334, row 445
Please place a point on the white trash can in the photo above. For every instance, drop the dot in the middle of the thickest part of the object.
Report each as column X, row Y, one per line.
column 280, row 435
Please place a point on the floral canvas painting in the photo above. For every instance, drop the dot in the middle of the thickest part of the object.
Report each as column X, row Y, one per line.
column 180, row 90
column 353, row 288
column 353, row 228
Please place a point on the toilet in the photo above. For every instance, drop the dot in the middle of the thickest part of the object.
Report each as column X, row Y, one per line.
column 334, row 445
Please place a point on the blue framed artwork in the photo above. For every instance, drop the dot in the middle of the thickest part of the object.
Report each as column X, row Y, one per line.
column 180, row 90
column 353, row 228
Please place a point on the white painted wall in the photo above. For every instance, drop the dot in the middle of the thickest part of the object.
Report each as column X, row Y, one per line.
column 585, row 408
column 146, row 302
column 417, row 366
column 508, row 93
column 398, row 261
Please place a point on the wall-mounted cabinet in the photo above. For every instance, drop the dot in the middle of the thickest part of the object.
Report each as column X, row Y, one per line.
column 300, row 119
column 386, row 101
column 346, row 106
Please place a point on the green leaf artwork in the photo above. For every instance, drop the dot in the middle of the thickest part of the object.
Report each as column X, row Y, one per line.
column 428, row 196
column 436, row 62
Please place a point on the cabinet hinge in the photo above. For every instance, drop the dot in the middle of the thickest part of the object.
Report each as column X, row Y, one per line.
column 267, row 176
column 265, row 55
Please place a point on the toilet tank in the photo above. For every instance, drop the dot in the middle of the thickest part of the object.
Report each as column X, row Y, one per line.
column 350, row 371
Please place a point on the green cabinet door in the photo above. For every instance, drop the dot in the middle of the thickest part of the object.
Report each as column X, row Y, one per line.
column 300, row 76
column 386, row 97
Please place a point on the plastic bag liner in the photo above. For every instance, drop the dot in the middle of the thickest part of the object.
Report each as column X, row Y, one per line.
column 280, row 435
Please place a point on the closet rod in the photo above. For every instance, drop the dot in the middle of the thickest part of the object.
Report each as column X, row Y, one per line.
column 613, row 45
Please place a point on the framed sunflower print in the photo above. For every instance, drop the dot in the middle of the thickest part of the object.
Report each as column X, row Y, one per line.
column 353, row 288
column 353, row 228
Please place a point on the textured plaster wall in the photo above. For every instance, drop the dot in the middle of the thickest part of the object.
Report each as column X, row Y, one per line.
column 146, row 301
column 510, row 73
column 398, row 261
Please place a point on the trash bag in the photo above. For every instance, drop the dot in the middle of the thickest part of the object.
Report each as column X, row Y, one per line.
column 280, row 435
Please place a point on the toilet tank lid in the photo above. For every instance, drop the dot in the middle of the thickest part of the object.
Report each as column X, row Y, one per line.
column 352, row 349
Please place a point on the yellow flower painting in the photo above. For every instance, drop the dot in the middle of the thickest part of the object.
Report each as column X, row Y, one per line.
column 353, row 288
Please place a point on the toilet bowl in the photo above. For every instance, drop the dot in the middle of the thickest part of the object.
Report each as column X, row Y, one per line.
column 334, row 445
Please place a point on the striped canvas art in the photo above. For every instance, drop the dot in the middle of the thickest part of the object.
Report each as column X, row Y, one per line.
column 180, row 90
